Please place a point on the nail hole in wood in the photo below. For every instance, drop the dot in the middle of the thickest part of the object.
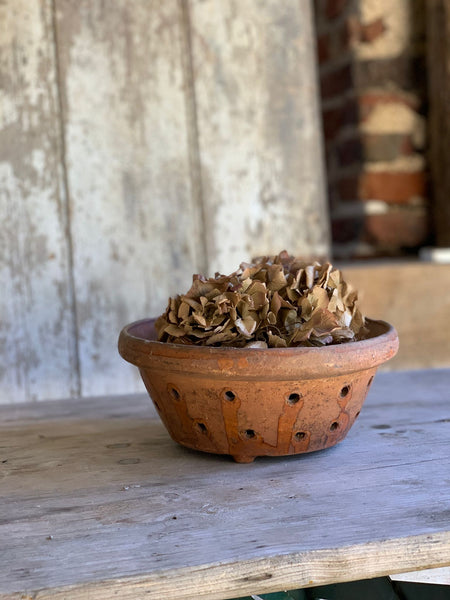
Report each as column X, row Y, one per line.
column 300, row 435
column 249, row 434
column 229, row 395
column 334, row 426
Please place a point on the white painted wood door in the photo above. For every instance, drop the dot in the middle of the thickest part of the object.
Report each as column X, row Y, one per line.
column 141, row 142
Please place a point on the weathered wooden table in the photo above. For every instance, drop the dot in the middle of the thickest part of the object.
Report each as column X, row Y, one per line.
column 98, row 502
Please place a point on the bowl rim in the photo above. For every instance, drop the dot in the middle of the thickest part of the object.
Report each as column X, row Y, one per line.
column 389, row 331
column 346, row 357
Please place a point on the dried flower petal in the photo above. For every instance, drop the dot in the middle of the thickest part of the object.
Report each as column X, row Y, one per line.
column 276, row 341
column 257, row 344
column 174, row 331
column 309, row 276
column 276, row 278
column 218, row 338
column 274, row 301
column 200, row 319
column 246, row 326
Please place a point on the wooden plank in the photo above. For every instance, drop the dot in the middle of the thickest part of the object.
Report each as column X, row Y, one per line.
column 135, row 228
column 436, row 576
column 415, row 298
column 259, row 132
column 37, row 334
column 103, row 487
column 438, row 63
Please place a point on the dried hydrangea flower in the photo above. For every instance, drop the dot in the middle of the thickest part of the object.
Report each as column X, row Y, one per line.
column 275, row 302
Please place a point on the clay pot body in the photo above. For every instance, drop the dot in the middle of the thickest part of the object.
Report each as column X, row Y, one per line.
column 250, row 402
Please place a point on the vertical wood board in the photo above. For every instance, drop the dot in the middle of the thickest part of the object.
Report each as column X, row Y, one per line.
column 135, row 228
column 438, row 62
column 259, row 131
column 37, row 344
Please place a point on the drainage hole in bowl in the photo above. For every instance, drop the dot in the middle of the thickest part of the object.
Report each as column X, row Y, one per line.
column 344, row 391
column 249, row 434
column 229, row 395
column 300, row 435
column 175, row 393
column 293, row 398
column 202, row 427
column 334, row 426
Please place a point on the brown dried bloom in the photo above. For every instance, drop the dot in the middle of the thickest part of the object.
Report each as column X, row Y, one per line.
column 273, row 302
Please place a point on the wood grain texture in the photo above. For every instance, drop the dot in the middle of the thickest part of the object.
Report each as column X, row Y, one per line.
column 415, row 298
column 100, row 485
column 135, row 229
column 140, row 141
column 260, row 155
column 37, row 343
column 437, row 576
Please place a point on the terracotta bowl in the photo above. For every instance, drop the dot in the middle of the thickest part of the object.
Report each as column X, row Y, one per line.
column 251, row 402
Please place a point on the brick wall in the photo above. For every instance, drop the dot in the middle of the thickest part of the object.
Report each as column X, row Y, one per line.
column 373, row 86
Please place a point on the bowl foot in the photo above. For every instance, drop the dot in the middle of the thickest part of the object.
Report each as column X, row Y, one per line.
column 243, row 459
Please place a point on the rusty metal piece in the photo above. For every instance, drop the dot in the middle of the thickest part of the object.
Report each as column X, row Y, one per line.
column 250, row 402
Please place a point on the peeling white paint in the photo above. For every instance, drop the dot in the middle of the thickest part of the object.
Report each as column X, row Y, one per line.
column 128, row 173
column 261, row 161
column 123, row 149
column 36, row 324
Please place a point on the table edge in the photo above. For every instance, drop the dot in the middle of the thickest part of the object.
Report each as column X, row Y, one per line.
column 264, row 575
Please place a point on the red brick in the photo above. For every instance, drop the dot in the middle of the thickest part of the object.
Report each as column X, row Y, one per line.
column 397, row 229
column 351, row 113
column 386, row 147
column 337, row 82
column 334, row 8
column 406, row 71
column 323, row 48
column 407, row 147
column 368, row 32
column 349, row 32
column 346, row 231
column 350, row 152
column 332, row 122
column 387, row 233
column 336, row 118
column 397, row 188
column 354, row 31
column 371, row 31
column 367, row 102
column 339, row 40
column 348, row 188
